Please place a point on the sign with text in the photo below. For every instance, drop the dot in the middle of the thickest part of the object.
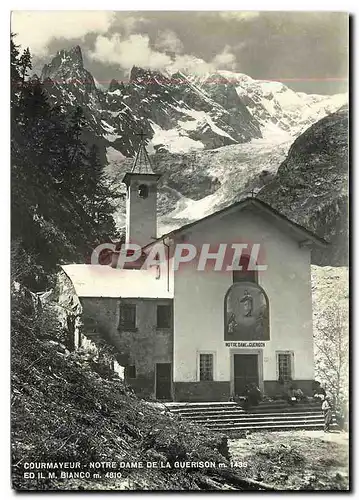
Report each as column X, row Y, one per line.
column 245, row 344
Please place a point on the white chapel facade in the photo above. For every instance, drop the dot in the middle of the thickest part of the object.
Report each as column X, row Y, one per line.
column 204, row 335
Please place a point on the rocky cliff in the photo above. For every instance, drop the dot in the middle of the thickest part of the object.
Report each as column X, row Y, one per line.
column 311, row 185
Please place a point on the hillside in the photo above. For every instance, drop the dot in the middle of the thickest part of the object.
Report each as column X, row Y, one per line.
column 311, row 185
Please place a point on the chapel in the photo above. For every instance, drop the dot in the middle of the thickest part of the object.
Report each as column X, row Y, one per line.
column 189, row 334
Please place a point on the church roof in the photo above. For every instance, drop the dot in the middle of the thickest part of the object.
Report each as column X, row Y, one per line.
column 142, row 163
column 106, row 281
column 300, row 233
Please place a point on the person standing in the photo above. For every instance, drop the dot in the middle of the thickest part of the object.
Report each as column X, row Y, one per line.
column 327, row 409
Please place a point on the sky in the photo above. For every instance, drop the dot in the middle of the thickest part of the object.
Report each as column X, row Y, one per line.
column 308, row 51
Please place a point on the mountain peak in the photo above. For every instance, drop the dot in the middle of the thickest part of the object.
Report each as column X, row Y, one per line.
column 63, row 60
column 72, row 56
column 75, row 54
column 114, row 85
column 141, row 74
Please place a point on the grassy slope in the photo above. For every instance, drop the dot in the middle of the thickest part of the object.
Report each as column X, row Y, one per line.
column 63, row 410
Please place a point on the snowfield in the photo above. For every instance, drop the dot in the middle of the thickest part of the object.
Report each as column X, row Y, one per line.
column 238, row 168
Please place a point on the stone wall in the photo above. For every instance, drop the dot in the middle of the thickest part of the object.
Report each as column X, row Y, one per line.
column 143, row 347
column 201, row 391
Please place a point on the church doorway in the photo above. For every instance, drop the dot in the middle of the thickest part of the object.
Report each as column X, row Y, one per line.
column 245, row 371
column 163, row 381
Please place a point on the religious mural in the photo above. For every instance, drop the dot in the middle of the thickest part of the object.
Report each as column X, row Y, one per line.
column 246, row 313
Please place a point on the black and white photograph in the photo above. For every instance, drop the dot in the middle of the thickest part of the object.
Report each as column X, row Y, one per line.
column 179, row 250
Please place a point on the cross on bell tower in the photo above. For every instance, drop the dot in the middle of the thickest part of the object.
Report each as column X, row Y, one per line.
column 141, row 199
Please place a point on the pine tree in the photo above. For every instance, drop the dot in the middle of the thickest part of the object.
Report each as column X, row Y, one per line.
column 25, row 64
column 98, row 194
column 14, row 72
column 60, row 204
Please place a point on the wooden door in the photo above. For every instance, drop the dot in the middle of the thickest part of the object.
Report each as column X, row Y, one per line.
column 245, row 371
column 163, row 381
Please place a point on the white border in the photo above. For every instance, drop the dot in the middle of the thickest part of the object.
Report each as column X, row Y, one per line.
column 309, row 5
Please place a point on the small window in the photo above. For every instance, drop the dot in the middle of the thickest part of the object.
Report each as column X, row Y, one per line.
column 127, row 317
column 164, row 316
column 284, row 367
column 143, row 191
column 245, row 274
column 131, row 371
column 206, row 366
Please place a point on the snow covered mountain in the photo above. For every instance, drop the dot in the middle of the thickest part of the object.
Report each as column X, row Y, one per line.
column 175, row 114
column 273, row 103
column 181, row 113
column 214, row 139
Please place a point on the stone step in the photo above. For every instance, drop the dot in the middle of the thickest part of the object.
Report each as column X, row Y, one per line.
column 257, row 418
column 261, row 425
column 229, row 416
column 223, row 406
column 297, row 407
column 204, row 405
column 262, row 419
column 285, row 410
column 214, row 414
column 217, row 411
column 235, row 412
column 273, row 428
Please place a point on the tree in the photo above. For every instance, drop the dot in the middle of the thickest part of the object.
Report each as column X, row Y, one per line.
column 331, row 343
column 98, row 192
column 14, row 71
column 25, row 64
column 60, row 203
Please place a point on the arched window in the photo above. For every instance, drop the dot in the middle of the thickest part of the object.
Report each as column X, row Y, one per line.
column 143, row 191
column 246, row 313
column 245, row 274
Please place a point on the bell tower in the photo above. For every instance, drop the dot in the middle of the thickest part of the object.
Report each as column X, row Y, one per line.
column 141, row 199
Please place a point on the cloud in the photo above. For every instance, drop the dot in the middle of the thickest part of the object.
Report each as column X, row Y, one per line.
column 194, row 65
column 36, row 29
column 136, row 51
column 225, row 60
column 129, row 24
column 125, row 47
column 168, row 40
column 133, row 51
column 191, row 64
